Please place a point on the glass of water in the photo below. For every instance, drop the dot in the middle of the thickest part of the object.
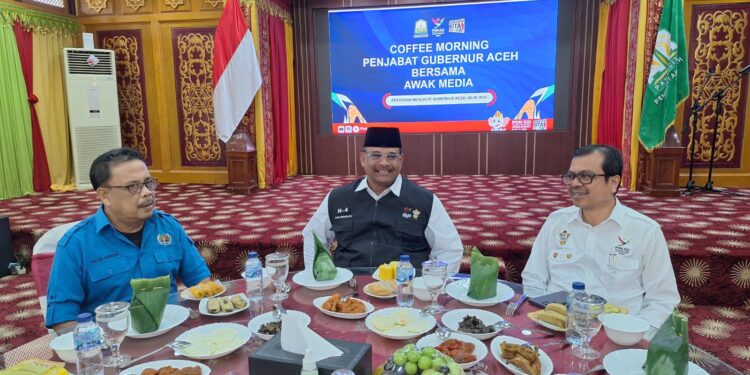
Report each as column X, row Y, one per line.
column 113, row 319
column 434, row 275
column 280, row 263
column 585, row 312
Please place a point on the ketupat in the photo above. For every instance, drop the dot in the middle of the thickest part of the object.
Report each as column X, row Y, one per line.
column 483, row 281
column 668, row 350
column 148, row 303
column 323, row 267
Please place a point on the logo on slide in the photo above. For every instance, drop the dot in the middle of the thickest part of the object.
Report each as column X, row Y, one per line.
column 437, row 30
column 456, row 26
column 420, row 29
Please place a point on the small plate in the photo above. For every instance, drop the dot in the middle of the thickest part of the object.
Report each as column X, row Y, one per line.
column 174, row 315
column 255, row 323
column 451, row 319
column 534, row 315
column 214, row 340
column 176, row 363
column 318, row 302
column 459, row 290
column 629, row 362
column 480, row 349
column 366, row 290
column 495, row 350
column 306, row 279
column 185, row 294
column 203, row 306
column 400, row 332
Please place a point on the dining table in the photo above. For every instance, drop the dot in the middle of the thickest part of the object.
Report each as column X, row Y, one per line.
column 300, row 298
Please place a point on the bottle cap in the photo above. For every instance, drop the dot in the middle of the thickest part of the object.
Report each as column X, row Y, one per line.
column 577, row 285
column 307, row 363
column 252, row 254
column 404, row 258
column 84, row 317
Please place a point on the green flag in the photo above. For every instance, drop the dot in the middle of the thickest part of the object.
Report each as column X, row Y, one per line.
column 668, row 84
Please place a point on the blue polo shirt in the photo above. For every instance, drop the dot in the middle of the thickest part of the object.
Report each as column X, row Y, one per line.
column 94, row 263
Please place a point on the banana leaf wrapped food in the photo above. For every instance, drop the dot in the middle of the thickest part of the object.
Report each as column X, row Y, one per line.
column 323, row 267
column 148, row 303
column 483, row 281
column 668, row 350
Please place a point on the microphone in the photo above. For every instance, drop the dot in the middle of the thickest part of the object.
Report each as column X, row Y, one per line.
column 744, row 70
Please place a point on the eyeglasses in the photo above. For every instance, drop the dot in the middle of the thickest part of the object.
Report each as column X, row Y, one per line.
column 137, row 187
column 378, row 156
column 585, row 177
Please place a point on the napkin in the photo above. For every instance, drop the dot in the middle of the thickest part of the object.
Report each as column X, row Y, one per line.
column 483, row 281
column 323, row 267
column 148, row 303
column 295, row 337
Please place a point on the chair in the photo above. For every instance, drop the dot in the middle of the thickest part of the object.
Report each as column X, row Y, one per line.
column 41, row 261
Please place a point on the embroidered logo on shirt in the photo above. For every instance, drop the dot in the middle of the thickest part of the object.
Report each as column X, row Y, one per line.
column 411, row 213
column 564, row 236
column 164, row 239
column 622, row 248
column 344, row 210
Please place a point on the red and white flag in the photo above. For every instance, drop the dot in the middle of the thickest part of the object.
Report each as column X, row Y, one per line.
column 236, row 71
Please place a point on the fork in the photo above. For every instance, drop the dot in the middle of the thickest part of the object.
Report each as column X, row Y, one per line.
column 513, row 307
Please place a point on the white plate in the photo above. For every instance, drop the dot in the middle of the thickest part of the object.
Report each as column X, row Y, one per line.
column 459, row 289
column 174, row 315
column 480, row 349
column 176, row 363
column 366, row 290
column 318, row 302
column 629, row 362
column 185, row 294
column 452, row 318
column 213, row 340
column 203, row 306
column 255, row 323
column 306, row 279
column 424, row 324
column 495, row 350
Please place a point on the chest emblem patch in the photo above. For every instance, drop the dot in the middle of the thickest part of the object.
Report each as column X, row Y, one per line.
column 411, row 213
column 623, row 247
column 564, row 236
column 164, row 239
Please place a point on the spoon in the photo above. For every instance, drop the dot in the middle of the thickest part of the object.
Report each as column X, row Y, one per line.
column 175, row 345
column 503, row 324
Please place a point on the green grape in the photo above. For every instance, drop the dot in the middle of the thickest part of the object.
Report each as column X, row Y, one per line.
column 429, row 352
column 411, row 368
column 430, row 372
column 413, row 357
column 399, row 359
column 438, row 362
column 424, row 362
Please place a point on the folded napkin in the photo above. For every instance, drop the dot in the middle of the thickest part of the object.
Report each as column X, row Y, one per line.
column 483, row 281
column 323, row 267
column 668, row 350
column 148, row 303
column 295, row 338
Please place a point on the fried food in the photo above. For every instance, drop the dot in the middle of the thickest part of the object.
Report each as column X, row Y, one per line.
column 553, row 317
column 213, row 306
column 169, row 370
column 238, row 302
column 205, row 289
column 524, row 357
column 460, row 351
column 382, row 288
column 351, row 306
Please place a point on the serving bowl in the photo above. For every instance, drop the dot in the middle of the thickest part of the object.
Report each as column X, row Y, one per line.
column 64, row 347
column 624, row 329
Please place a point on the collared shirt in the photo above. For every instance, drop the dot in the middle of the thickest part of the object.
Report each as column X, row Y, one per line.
column 441, row 234
column 624, row 259
column 94, row 263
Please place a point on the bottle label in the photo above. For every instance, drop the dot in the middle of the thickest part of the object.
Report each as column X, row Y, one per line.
column 253, row 270
column 88, row 340
column 404, row 274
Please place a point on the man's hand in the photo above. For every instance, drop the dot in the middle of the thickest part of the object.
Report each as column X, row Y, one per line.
column 64, row 327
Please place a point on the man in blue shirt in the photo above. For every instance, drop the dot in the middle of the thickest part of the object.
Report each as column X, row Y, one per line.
column 125, row 239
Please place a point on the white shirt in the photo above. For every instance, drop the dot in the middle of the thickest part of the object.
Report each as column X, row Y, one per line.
column 440, row 233
column 624, row 259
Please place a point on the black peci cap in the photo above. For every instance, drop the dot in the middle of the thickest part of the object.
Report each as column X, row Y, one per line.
column 382, row 137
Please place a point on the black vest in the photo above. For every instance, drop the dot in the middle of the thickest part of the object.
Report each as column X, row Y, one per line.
column 371, row 232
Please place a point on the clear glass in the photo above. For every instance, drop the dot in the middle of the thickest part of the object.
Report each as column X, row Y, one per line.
column 113, row 319
column 280, row 263
column 585, row 318
column 434, row 275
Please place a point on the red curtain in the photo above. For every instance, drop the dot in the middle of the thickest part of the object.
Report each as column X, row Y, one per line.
column 612, row 101
column 280, row 101
column 24, row 41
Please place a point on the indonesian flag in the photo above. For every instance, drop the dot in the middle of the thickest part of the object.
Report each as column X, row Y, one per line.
column 236, row 72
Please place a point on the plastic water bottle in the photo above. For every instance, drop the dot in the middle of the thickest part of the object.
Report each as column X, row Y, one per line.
column 571, row 335
column 404, row 277
column 253, row 277
column 88, row 345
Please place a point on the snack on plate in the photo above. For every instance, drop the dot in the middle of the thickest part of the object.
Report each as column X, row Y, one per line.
column 213, row 306
column 459, row 351
column 169, row 370
column 524, row 357
column 37, row 367
column 554, row 314
column 387, row 271
column 351, row 306
column 238, row 302
column 227, row 304
column 472, row 324
column 614, row 309
column 382, row 288
column 205, row 289
column 270, row 328
column 427, row 361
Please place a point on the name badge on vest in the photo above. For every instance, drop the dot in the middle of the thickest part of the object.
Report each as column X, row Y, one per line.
column 343, row 213
column 164, row 239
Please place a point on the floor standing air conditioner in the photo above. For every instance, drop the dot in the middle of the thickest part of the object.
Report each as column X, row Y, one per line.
column 93, row 113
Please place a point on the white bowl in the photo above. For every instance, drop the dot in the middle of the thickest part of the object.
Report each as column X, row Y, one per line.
column 624, row 329
column 420, row 290
column 63, row 346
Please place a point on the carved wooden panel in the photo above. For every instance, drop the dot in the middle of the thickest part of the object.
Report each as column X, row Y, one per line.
column 212, row 4
column 168, row 6
column 137, row 6
column 96, row 7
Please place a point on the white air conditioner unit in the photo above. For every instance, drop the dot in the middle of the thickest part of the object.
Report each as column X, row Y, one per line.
column 93, row 113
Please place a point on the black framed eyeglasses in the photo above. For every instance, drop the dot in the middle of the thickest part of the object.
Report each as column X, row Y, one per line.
column 137, row 187
column 585, row 177
column 378, row 156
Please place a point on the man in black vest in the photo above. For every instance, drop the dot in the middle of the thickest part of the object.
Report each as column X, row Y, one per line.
column 383, row 215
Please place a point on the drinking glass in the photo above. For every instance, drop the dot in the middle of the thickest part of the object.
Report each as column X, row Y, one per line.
column 585, row 312
column 434, row 275
column 280, row 263
column 113, row 319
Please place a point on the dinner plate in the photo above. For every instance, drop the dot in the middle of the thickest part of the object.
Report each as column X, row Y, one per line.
column 176, row 363
column 203, row 306
column 185, row 294
column 318, row 302
column 174, row 315
column 452, row 318
column 306, row 279
column 480, row 349
column 459, row 290
column 495, row 350
column 367, row 291
column 534, row 315
column 416, row 326
column 213, row 340
column 629, row 362
column 255, row 323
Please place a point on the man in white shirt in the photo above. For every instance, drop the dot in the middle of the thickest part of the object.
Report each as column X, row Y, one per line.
column 618, row 253
column 377, row 218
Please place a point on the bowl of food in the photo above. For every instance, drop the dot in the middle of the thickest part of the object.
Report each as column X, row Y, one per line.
column 420, row 290
column 64, row 347
column 624, row 329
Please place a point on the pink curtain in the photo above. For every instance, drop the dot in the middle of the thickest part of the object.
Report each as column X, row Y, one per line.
column 609, row 130
column 280, row 100
column 42, row 180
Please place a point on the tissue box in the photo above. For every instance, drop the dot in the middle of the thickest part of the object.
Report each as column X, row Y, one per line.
column 271, row 359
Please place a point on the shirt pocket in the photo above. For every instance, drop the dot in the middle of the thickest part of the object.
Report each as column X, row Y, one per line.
column 342, row 225
column 623, row 268
column 108, row 269
column 409, row 229
column 168, row 254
